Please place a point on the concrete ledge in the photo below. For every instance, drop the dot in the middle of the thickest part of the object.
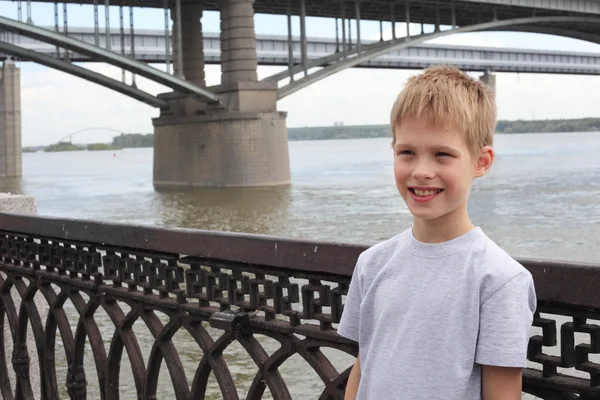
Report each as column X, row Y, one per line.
column 19, row 204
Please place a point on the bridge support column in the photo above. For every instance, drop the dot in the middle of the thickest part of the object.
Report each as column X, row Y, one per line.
column 241, row 143
column 489, row 79
column 193, row 46
column 10, row 120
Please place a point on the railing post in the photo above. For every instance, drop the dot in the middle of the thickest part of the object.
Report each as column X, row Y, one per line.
column 350, row 33
column 96, row 24
column 303, row 52
column 66, row 28
column 56, row 27
column 437, row 18
column 337, row 36
column 357, row 8
column 122, row 37
column 29, row 19
column 290, row 42
column 107, row 23
column 167, row 38
column 178, row 39
column 453, row 14
column 407, row 17
column 393, row 20
column 132, row 42
column 343, row 21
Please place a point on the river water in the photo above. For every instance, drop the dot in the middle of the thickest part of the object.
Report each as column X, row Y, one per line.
column 541, row 200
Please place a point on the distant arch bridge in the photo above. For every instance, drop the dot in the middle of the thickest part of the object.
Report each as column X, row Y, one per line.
column 90, row 129
column 573, row 26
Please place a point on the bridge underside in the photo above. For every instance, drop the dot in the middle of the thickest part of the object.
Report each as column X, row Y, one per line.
column 467, row 12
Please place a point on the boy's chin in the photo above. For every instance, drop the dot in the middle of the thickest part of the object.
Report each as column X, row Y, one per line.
column 425, row 216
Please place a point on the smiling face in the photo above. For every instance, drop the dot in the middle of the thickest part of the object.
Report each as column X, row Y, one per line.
column 434, row 170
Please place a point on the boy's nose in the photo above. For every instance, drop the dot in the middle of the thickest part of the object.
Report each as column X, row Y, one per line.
column 423, row 170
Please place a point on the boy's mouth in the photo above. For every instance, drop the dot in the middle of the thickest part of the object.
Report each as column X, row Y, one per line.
column 425, row 192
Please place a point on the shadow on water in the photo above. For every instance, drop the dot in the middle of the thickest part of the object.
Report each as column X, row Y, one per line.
column 252, row 210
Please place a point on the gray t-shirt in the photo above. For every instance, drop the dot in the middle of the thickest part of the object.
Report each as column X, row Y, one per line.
column 427, row 316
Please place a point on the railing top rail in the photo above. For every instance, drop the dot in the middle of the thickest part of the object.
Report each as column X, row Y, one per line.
column 303, row 255
column 557, row 282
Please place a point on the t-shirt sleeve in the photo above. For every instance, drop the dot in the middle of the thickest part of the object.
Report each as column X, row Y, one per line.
column 505, row 323
column 350, row 322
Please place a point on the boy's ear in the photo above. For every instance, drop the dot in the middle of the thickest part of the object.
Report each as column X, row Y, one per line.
column 484, row 162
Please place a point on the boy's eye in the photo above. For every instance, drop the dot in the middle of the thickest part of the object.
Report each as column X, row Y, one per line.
column 442, row 154
column 405, row 152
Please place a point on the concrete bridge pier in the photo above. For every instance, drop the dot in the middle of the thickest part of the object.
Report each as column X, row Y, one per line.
column 10, row 120
column 489, row 79
column 241, row 143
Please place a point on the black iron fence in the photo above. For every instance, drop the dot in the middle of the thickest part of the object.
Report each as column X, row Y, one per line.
column 224, row 289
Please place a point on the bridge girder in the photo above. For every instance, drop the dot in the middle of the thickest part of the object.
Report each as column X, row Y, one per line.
column 422, row 11
column 339, row 62
column 58, row 39
column 83, row 73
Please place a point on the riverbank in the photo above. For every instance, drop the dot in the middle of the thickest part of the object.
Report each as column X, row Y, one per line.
column 139, row 140
column 503, row 127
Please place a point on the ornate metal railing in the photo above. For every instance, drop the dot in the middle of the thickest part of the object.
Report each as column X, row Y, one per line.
column 223, row 290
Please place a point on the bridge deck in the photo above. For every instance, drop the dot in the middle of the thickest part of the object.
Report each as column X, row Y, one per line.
column 421, row 11
column 272, row 50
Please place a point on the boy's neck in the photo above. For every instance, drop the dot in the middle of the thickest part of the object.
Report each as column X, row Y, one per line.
column 441, row 230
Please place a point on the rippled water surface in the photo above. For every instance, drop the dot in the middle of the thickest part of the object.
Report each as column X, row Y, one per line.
column 541, row 199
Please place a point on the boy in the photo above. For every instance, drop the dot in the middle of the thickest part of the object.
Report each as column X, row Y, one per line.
column 439, row 311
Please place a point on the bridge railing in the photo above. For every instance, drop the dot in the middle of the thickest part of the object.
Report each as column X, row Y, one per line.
column 147, row 313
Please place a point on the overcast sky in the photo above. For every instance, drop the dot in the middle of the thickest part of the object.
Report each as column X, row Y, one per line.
column 55, row 104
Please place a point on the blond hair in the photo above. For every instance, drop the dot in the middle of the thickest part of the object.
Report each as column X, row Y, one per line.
column 447, row 95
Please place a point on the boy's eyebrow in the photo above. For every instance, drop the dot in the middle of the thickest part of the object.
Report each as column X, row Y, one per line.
column 442, row 147
column 448, row 148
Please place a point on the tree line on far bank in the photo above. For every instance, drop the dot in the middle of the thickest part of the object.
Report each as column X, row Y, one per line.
column 502, row 127
column 133, row 140
column 128, row 140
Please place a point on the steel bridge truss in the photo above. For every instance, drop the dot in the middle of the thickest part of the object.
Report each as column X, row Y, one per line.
column 352, row 53
column 80, row 72
column 98, row 53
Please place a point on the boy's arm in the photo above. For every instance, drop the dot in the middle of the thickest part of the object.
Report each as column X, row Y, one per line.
column 504, row 330
column 353, row 381
column 501, row 383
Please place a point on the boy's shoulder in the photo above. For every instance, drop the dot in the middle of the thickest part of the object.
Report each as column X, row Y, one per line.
column 381, row 252
column 499, row 268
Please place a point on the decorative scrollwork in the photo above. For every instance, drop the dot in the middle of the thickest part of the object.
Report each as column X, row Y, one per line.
column 222, row 290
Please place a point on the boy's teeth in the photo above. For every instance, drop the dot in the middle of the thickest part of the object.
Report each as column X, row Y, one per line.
column 425, row 192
